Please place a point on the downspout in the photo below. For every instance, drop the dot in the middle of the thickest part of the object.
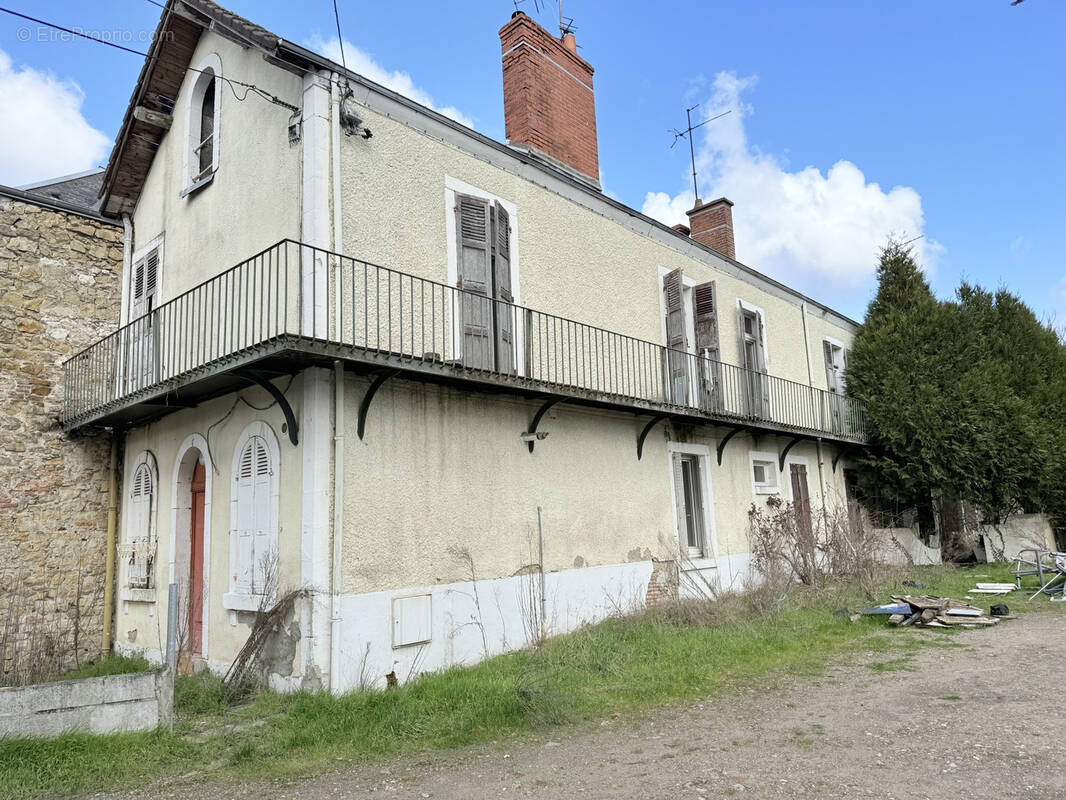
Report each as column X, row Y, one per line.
column 338, row 407
column 338, row 527
column 109, row 569
column 810, row 382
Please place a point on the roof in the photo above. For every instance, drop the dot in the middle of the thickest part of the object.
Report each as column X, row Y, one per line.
column 79, row 189
column 170, row 55
column 44, row 201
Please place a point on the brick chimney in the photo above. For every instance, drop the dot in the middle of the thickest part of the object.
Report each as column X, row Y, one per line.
column 712, row 224
column 548, row 102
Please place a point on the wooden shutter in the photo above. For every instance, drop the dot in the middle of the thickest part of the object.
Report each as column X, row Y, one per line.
column 263, row 515
column 679, row 501
column 504, row 306
column 677, row 373
column 140, row 529
column 473, row 229
column 830, row 367
column 801, row 497
column 760, row 327
column 705, row 310
column 242, row 534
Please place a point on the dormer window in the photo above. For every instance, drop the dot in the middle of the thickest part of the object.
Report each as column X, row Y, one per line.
column 202, row 125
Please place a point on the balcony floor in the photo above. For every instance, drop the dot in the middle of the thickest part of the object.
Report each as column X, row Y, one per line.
column 287, row 355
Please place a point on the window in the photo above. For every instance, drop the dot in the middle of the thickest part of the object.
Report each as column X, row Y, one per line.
column 764, row 473
column 253, row 519
column 202, row 125
column 138, row 552
column 690, row 328
column 144, row 290
column 755, row 386
column 836, row 362
column 691, row 487
column 486, row 303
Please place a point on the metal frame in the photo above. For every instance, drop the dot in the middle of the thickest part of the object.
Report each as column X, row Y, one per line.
column 646, row 430
column 368, row 398
column 726, row 439
column 259, row 379
column 784, row 453
column 278, row 309
column 539, row 416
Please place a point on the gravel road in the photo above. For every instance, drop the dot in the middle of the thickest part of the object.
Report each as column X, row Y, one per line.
column 981, row 721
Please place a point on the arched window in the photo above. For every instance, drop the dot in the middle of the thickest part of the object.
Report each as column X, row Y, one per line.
column 139, row 548
column 254, row 518
column 205, row 150
column 202, row 123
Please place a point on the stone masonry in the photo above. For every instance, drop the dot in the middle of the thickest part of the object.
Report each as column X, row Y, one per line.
column 59, row 291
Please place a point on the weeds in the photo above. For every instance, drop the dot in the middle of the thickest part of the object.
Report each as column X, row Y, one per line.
column 674, row 653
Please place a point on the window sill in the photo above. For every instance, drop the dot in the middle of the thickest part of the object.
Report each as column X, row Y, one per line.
column 698, row 564
column 128, row 595
column 231, row 601
column 200, row 184
column 767, row 490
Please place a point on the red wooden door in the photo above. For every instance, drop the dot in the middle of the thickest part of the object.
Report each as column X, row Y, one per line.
column 196, row 563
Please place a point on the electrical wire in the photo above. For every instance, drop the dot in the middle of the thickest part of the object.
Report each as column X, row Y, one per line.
column 340, row 38
column 239, row 399
column 248, row 87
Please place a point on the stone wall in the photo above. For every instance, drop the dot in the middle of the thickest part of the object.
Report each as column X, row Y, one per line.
column 59, row 291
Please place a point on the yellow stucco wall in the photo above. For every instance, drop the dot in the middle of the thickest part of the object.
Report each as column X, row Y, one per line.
column 441, row 469
column 253, row 200
column 574, row 262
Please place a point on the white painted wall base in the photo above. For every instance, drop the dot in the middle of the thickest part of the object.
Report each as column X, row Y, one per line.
column 470, row 621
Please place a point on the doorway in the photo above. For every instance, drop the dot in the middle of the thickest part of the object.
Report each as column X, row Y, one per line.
column 196, row 560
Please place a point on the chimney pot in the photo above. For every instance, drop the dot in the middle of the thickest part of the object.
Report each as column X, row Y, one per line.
column 681, row 228
column 711, row 224
column 548, row 100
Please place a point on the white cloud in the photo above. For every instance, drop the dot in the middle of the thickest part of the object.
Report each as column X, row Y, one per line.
column 44, row 134
column 819, row 232
column 363, row 63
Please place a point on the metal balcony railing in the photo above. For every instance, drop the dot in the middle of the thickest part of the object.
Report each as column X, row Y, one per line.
column 296, row 297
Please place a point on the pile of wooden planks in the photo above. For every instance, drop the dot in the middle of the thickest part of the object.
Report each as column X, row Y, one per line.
column 938, row 612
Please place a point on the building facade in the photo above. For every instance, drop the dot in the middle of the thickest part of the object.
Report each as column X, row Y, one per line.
column 443, row 385
column 60, row 278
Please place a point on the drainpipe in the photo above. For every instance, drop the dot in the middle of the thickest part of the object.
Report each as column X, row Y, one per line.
column 109, row 569
column 810, row 382
column 338, row 527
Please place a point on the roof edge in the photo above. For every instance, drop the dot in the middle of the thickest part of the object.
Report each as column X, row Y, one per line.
column 55, row 205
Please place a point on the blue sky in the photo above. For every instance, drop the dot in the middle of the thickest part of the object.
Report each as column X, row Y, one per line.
column 850, row 119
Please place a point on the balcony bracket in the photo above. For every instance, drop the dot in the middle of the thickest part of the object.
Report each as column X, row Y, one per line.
column 841, row 452
column 259, row 379
column 368, row 398
column 537, row 418
column 727, row 437
column 784, row 453
column 647, row 429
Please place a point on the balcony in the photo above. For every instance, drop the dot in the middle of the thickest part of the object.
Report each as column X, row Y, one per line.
column 293, row 306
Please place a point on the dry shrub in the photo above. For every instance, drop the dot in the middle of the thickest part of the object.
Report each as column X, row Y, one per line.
column 833, row 543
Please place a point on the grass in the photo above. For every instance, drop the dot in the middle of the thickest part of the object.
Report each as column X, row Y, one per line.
column 618, row 666
column 107, row 665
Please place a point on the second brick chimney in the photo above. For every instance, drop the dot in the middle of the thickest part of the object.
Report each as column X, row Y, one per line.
column 548, row 101
column 712, row 224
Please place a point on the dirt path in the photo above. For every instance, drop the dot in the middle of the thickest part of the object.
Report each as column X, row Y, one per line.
column 980, row 721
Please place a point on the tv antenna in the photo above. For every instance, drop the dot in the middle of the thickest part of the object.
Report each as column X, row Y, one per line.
column 566, row 24
column 687, row 134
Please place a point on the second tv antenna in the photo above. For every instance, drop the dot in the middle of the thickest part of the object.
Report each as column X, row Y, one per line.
column 687, row 134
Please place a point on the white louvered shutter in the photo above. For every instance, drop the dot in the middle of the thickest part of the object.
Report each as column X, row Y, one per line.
column 243, row 532
column 263, row 519
column 140, row 529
